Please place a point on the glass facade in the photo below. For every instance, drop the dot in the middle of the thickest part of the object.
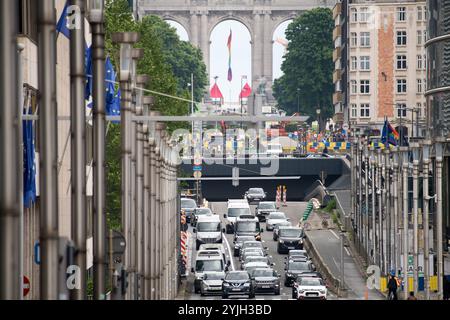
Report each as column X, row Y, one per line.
column 438, row 74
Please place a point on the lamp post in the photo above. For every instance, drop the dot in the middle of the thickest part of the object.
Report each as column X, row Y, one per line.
column 415, row 214
column 318, row 118
column 373, row 231
column 439, row 150
column 426, row 146
column 241, row 98
column 366, row 207
column 298, row 100
column 395, row 192
column 126, row 40
column 405, row 164
column 191, row 85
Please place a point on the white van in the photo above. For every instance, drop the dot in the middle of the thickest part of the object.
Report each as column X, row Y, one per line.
column 207, row 261
column 208, row 229
column 234, row 210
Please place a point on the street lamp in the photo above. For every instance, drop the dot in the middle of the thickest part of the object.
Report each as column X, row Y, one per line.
column 439, row 150
column 96, row 11
column 298, row 100
column 415, row 148
column 318, row 117
column 426, row 146
column 405, row 164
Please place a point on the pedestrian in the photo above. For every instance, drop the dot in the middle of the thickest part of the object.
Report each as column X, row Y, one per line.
column 392, row 287
column 412, row 296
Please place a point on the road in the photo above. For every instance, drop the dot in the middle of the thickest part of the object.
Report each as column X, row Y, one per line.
column 293, row 210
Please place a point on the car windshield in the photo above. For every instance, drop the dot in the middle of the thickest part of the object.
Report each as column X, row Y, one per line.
column 256, row 259
column 208, row 227
column 277, row 215
column 203, row 211
column 244, row 239
column 247, row 226
column 256, row 190
column 291, row 233
column 298, row 265
column 248, row 245
column 267, row 205
column 237, row 276
column 209, row 265
column 263, row 273
column 310, row 282
column 188, row 203
column 236, row 212
column 254, row 253
column 214, row 276
column 283, row 224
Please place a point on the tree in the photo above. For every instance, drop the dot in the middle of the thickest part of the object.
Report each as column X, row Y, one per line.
column 308, row 65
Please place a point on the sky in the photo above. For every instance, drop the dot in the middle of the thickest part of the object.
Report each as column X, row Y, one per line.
column 240, row 55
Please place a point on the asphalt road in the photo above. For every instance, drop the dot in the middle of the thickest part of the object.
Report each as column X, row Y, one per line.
column 293, row 210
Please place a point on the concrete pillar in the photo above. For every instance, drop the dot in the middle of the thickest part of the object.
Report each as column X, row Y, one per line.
column 146, row 213
column 157, row 222
column 257, row 49
column 194, row 32
column 153, row 253
column 268, row 51
column 205, row 44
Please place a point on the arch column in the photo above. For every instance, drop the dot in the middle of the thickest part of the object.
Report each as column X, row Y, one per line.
column 268, row 52
column 257, row 50
column 204, row 42
column 194, row 36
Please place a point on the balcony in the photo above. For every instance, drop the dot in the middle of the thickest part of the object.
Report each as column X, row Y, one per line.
column 337, row 32
column 337, row 10
column 337, row 97
column 336, row 54
column 337, row 75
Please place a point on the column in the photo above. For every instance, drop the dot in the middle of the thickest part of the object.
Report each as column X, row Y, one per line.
column 194, row 36
column 257, row 50
column 205, row 39
column 268, row 51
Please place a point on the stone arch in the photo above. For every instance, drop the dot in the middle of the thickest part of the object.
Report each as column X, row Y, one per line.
column 280, row 20
column 184, row 27
column 216, row 20
column 181, row 20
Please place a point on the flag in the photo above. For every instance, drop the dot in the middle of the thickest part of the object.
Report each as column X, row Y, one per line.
column 110, row 79
column 246, row 91
column 88, row 71
column 230, row 72
column 389, row 135
column 29, row 167
column 62, row 25
column 215, row 92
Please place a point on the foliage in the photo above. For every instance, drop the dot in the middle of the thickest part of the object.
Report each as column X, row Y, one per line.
column 113, row 177
column 308, row 65
column 330, row 206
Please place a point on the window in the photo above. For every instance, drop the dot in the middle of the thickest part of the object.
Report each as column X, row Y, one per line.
column 425, row 13
column 419, row 37
column 353, row 87
column 401, row 110
column 364, row 110
column 401, row 85
column 424, row 35
column 401, row 13
column 401, row 38
column 354, row 63
column 424, row 84
column 401, row 62
column 365, row 62
column 28, row 19
column 419, row 86
column 353, row 39
column 354, row 110
column 365, row 86
column 354, row 15
column 365, row 39
column 364, row 15
column 419, row 62
column 424, row 61
column 419, row 107
column 419, row 14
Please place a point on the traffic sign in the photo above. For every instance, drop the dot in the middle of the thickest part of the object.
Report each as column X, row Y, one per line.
column 37, row 252
column 26, row 286
column 197, row 168
column 197, row 174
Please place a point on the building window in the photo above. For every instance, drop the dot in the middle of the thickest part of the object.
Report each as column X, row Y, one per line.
column 401, row 38
column 419, row 14
column 353, row 39
column 424, row 61
column 365, row 39
column 401, row 62
column 419, row 108
column 424, row 35
column 353, row 87
column 419, row 62
column 401, row 13
column 354, row 109
column 365, row 63
column 354, row 15
column 419, row 86
column 419, row 37
column 364, row 86
column 364, row 15
column 425, row 13
column 401, row 110
column 354, row 63
column 401, row 85
column 28, row 19
column 364, row 110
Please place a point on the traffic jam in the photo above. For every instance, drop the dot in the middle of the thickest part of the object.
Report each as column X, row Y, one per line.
column 248, row 248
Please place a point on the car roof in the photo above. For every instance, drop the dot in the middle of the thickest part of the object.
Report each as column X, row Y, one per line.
column 238, row 205
column 310, row 278
column 203, row 208
column 266, row 202
column 211, row 218
column 256, row 263
column 247, row 217
column 253, row 241
column 277, row 212
column 212, row 246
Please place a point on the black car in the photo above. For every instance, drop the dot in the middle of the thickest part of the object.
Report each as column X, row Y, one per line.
column 255, row 195
column 294, row 268
column 266, row 281
column 237, row 283
column 290, row 238
column 188, row 206
column 263, row 209
column 239, row 242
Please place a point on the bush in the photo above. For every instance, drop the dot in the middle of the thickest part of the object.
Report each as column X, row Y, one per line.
column 331, row 206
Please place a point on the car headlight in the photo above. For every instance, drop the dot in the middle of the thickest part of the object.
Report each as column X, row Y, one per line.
column 323, row 291
column 225, row 284
column 246, row 284
column 289, row 275
column 301, row 291
column 281, row 241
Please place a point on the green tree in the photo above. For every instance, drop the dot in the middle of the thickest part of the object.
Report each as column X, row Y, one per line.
column 308, row 65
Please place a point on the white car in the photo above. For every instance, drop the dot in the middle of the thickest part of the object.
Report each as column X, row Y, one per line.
column 212, row 283
column 275, row 218
column 310, row 288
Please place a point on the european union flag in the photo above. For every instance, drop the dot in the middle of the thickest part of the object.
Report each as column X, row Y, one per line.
column 88, row 71
column 29, row 167
column 110, row 79
column 61, row 27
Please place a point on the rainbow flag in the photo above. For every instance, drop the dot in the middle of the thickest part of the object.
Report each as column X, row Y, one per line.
column 389, row 135
column 230, row 72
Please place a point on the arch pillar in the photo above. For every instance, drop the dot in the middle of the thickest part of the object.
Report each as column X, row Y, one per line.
column 268, row 52
column 194, row 36
column 257, row 50
column 204, row 39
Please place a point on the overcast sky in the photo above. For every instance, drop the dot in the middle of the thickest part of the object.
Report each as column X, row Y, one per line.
column 240, row 55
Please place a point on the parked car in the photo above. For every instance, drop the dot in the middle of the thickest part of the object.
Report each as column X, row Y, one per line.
column 277, row 227
column 265, row 280
column 199, row 212
column 212, row 283
column 263, row 209
column 295, row 267
column 237, row 282
column 255, row 195
column 290, row 238
column 275, row 218
column 310, row 288
column 239, row 241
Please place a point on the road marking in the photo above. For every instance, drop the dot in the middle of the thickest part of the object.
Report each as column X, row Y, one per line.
column 224, row 237
column 334, row 234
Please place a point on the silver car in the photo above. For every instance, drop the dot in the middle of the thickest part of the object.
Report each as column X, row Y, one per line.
column 212, row 283
column 275, row 218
